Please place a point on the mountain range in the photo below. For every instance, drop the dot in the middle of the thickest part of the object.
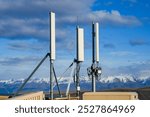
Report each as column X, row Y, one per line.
column 106, row 82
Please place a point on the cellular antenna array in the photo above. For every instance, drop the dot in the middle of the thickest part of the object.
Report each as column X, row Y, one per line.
column 94, row 71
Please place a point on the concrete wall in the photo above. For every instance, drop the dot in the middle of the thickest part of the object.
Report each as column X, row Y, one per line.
column 3, row 97
column 110, row 96
column 30, row 96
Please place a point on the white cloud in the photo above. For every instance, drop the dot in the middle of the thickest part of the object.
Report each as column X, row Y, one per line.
column 30, row 19
column 34, row 28
column 123, row 53
column 33, row 7
column 114, row 17
column 21, row 67
column 105, row 17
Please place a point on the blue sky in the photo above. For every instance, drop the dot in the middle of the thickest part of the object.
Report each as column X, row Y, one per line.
column 24, row 35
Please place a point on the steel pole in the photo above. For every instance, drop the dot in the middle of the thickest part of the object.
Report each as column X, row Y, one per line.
column 78, row 80
column 56, row 82
column 93, row 59
column 51, row 79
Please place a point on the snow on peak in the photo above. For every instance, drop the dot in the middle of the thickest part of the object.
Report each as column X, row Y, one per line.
column 125, row 78
column 118, row 78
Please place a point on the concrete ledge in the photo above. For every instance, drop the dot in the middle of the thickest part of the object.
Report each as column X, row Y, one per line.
column 67, row 98
column 3, row 97
column 30, row 96
column 110, row 96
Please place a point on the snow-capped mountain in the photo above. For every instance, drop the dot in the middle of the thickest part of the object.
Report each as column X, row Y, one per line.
column 63, row 80
column 118, row 78
column 144, row 75
column 107, row 82
column 124, row 78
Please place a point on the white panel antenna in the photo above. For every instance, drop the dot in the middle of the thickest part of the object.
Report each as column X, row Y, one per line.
column 96, row 41
column 52, row 35
column 80, row 44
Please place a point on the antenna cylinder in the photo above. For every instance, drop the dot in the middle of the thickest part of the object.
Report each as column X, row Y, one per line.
column 80, row 44
column 52, row 35
column 96, row 42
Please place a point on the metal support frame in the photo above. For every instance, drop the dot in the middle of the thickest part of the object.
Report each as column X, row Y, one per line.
column 52, row 72
column 21, row 87
column 75, row 74
column 57, row 82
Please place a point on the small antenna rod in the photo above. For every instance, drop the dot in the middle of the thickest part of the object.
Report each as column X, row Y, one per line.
column 77, row 21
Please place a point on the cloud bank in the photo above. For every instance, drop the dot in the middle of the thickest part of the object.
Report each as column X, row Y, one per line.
column 29, row 19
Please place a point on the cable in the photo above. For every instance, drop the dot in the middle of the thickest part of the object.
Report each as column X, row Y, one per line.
column 61, row 76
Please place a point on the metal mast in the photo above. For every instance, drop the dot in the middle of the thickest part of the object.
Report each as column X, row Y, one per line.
column 94, row 71
column 51, row 56
column 52, row 50
column 80, row 55
column 93, row 59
